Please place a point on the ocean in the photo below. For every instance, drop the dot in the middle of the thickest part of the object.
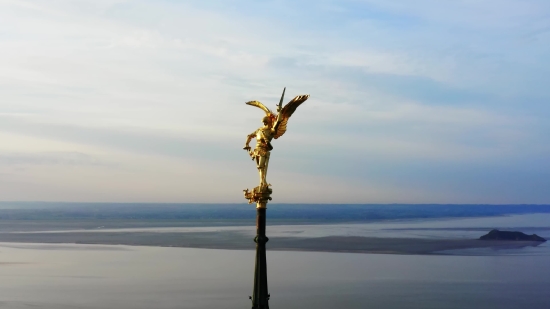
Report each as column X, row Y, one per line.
column 55, row 276
column 78, row 275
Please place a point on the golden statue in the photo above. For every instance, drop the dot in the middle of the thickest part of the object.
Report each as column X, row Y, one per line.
column 274, row 126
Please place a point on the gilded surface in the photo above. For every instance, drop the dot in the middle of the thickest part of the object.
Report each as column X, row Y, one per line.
column 274, row 126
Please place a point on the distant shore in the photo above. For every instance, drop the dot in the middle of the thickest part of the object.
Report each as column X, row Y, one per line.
column 394, row 229
column 238, row 241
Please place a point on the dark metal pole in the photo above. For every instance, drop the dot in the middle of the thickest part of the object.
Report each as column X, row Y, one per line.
column 260, row 296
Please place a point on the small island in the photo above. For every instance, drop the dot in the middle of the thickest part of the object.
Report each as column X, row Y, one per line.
column 508, row 235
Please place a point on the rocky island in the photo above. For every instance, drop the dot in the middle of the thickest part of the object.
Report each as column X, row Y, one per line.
column 508, row 235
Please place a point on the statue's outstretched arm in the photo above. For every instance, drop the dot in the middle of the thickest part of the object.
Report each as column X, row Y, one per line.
column 248, row 139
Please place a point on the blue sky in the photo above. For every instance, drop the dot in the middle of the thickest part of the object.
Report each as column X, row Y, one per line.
column 143, row 101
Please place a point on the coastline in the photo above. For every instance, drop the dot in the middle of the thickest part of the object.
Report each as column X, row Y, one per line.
column 238, row 241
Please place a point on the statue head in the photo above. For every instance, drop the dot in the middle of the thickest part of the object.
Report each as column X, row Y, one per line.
column 266, row 121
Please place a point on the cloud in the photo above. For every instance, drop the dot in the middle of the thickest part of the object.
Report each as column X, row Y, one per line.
column 157, row 89
column 48, row 158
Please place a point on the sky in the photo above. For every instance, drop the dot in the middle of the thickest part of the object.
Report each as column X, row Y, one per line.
column 423, row 101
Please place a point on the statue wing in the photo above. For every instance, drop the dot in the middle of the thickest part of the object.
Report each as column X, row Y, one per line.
column 260, row 105
column 286, row 112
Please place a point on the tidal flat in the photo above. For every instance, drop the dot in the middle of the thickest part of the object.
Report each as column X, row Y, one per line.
column 412, row 236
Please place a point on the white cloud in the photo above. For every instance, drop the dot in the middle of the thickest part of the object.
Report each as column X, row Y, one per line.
column 388, row 62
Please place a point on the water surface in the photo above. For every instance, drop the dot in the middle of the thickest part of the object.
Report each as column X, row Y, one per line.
column 54, row 276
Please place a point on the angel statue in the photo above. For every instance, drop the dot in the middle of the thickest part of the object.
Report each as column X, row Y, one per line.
column 274, row 127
